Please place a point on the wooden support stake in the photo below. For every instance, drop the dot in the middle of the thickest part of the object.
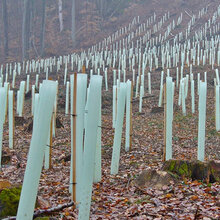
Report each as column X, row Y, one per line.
column 74, row 138
column 51, row 142
column 55, row 112
column 83, row 69
column 6, row 108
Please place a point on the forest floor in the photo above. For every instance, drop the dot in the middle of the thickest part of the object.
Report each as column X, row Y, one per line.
column 116, row 196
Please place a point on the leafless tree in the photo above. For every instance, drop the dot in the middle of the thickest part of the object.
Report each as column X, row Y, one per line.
column 43, row 23
column 60, row 6
column 73, row 29
column 26, row 29
column 5, row 22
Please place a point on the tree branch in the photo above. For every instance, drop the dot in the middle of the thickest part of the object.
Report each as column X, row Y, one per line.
column 46, row 211
column 188, row 14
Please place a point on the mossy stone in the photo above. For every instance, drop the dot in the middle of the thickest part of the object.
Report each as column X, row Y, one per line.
column 172, row 165
column 196, row 170
column 183, row 169
column 214, row 172
column 9, row 199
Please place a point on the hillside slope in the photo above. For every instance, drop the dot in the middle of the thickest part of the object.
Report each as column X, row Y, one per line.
column 91, row 28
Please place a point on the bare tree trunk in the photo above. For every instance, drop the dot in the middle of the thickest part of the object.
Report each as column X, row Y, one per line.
column 31, row 33
column 42, row 35
column 34, row 5
column 74, row 22
column 60, row 4
column 105, row 6
column 26, row 29
column 102, row 7
column 5, row 22
column 32, row 25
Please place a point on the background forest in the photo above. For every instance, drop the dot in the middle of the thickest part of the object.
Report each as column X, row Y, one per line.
column 43, row 28
column 31, row 28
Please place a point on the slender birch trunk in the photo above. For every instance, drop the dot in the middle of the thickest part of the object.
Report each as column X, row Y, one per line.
column 60, row 4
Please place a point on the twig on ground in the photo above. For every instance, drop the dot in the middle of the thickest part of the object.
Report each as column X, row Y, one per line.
column 46, row 211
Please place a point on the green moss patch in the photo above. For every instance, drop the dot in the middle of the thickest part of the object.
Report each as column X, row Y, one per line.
column 196, row 170
column 9, row 199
